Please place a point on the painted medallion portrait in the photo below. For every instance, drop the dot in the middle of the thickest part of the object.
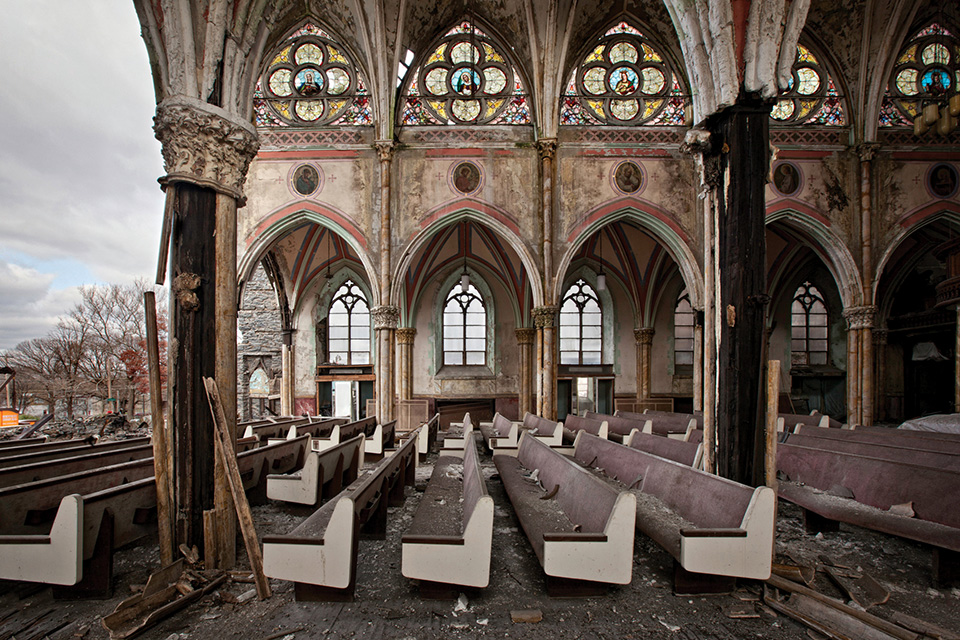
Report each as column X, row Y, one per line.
column 942, row 180
column 628, row 177
column 786, row 179
column 306, row 179
column 466, row 177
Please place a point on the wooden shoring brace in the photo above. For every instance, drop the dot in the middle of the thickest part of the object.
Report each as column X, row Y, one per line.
column 228, row 458
column 161, row 445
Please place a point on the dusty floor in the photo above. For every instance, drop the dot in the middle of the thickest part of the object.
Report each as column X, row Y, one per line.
column 388, row 605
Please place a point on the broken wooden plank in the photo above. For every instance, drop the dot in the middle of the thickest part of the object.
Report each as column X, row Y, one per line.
column 165, row 232
column 223, row 447
column 797, row 573
column 161, row 450
column 123, row 624
column 922, row 626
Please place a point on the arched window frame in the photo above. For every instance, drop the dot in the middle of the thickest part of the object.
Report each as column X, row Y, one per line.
column 652, row 92
column 931, row 51
column 496, row 95
column 812, row 97
column 809, row 327
column 340, row 97
column 359, row 330
column 574, row 305
column 461, row 324
column 684, row 321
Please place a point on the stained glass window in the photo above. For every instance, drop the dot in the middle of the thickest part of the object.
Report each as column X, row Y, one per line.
column 926, row 70
column 581, row 326
column 812, row 97
column 310, row 81
column 464, row 327
column 683, row 321
column 623, row 80
column 809, row 327
column 348, row 326
column 467, row 78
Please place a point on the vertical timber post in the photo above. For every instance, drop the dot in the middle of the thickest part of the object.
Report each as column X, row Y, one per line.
column 206, row 152
column 740, row 136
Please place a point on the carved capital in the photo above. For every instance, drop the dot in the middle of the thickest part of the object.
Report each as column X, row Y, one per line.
column 385, row 316
column 867, row 150
column 860, row 317
column 526, row 336
column 880, row 336
column 406, row 335
column 644, row 335
column 204, row 145
column 544, row 317
column 547, row 147
column 696, row 142
column 385, row 149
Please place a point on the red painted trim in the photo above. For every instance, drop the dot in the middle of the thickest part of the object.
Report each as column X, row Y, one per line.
column 948, row 156
column 917, row 216
column 789, row 204
column 457, row 153
column 620, row 204
column 474, row 205
column 312, row 207
column 795, row 154
column 309, row 153
column 618, row 153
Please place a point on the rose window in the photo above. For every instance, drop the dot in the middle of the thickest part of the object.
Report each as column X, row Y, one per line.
column 811, row 97
column 927, row 70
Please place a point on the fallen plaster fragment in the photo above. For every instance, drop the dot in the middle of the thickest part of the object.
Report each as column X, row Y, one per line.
column 526, row 615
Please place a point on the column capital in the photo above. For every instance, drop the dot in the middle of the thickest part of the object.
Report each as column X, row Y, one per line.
column 644, row 335
column 385, row 316
column 544, row 316
column 204, row 145
column 406, row 335
column 526, row 336
column 547, row 147
column 860, row 317
column 867, row 150
column 385, row 149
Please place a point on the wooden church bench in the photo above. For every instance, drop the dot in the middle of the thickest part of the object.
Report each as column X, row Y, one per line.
column 448, row 544
column 787, row 421
column 456, row 439
column 256, row 464
column 892, row 437
column 500, row 433
column 688, row 453
column 816, row 476
column 928, row 457
column 382, row 438
column 67, row 452
column 324, row 474
column 572, row 425
column 343, row 432
column 320, row 555
column 546, row 431
column 274, row 429
column 580, row 528
column 937, row 436
column 618, row 427
column 716, row 529
column 652, row 413
column 427, row 435
column 18, row 447
column 672, row 425
column 93, row 459
column 6, row 444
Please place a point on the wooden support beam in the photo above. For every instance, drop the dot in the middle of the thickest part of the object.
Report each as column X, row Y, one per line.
column 228, row 458
column 161, row 451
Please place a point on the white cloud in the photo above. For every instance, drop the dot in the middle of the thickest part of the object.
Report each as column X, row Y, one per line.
column 29, row 306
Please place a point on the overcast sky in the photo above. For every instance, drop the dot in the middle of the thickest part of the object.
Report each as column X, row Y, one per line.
column 79, row 200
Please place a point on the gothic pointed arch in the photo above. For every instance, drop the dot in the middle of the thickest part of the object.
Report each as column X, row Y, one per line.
column 310, row 80
column 625, row 78
column 813, row 96
column 465, row 77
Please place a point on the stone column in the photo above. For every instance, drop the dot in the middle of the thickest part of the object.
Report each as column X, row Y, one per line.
column 644, row 338
column 525, row 340
column 206, row 152
column 859, row 363
column 286, row 372
column 880, row 358
column 547, row 147
column 385, row 320
column 544, row 319
column 698, row 362
column 405, row 339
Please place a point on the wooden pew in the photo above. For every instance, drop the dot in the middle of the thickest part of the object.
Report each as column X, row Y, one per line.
column 927, row 457
column 892, row 437
column 281, row 457
column 500, row 433
column 448, row 545
column 91, row 459
column 672, row 425
column 427, row 435
column 382, row 438
column 717, row 530
column 580, row 527
column 688, row 453
column 815, row 476
column 323, row 474
column 572, row 425
column 343, row 432
column 293, row 427
column 652, row 413
column 4, row 444
column 938, row 436
column 456, row 440
column 546, row 431
column 18, row 447
column 618, row 427
column 787, row 421
column 320, row 555
column 67, row 452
